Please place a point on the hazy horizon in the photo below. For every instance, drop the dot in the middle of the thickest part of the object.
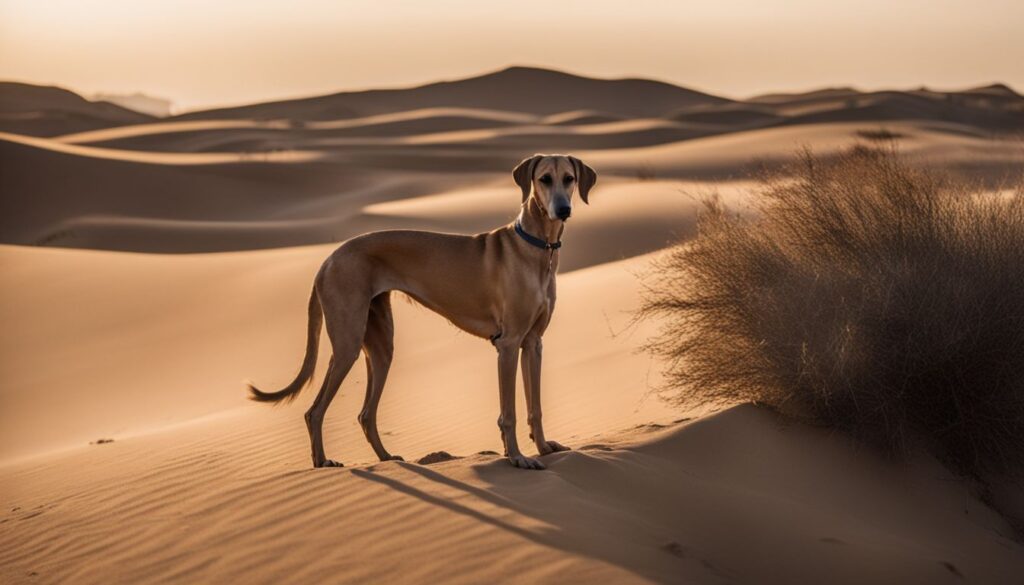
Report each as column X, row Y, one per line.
column 207, row 55
column 178, row 109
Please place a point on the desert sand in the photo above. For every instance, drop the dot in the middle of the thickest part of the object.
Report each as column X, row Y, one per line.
column 149, row 267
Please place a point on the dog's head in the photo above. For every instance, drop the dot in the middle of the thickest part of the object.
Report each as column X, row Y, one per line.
column 552, row 179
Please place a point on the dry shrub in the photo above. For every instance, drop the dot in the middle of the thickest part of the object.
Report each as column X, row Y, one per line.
column 868, row 296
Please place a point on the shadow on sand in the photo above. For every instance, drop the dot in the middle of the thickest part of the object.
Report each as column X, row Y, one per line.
column 587, row 503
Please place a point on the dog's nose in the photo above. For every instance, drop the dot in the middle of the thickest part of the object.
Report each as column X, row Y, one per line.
column 563, row 212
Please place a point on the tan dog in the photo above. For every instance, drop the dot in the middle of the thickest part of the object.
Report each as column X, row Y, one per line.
column 498, row 285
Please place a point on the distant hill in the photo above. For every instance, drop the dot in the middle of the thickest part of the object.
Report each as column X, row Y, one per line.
column 37, row 110
column 993, row 108
column 540, row 92
column 538, row 108
column 828, row 93
column 1002, row 113
column 138, row 102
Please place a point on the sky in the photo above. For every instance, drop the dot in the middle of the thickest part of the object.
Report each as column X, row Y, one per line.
column 210, row 53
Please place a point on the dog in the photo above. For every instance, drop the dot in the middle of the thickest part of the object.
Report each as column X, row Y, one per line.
column 498, row 285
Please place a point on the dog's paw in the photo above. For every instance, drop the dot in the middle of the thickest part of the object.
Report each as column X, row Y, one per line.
column 548, row 447
column 393, row 458
column 524, row 462
column 329, row 463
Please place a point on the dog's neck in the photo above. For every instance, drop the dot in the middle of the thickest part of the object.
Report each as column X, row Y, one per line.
column 537, row 223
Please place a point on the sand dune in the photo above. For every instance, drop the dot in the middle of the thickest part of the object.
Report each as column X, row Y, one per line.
column 131, row 340
column 439, row 129
column 580, row 117
column 828, row 93
column 890, row 106
column 49, row 111
column 221, row 500
column 951, row 146
column 93, row 197
column 253, row 135
column 205, row 202
column 259, row 204
column 730, row 116
column 511, row 97
column 162, row 158
column 158, row 131
column 235, row 316
column 516, row 89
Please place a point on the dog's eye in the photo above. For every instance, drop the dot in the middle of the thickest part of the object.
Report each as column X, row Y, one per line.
column 546, row 179
column 568, row 179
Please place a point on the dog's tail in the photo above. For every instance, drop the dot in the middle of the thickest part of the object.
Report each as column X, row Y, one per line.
column 290, row 392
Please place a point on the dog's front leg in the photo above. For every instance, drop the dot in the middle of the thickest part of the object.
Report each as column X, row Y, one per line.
column 508, row 358
column 533, row 350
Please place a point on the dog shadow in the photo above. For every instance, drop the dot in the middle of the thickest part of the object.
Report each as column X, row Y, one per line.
column 586, row 531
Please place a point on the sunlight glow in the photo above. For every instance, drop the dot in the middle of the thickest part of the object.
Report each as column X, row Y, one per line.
column 199, row 53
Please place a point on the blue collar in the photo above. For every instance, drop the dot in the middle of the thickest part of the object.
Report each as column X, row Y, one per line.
column 534, row 240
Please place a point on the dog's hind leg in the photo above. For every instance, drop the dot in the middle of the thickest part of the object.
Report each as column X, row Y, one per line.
column 378, row 344
column 315, row 419
column 345, row 332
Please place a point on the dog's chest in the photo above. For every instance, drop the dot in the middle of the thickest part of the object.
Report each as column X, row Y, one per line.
column 538, row 294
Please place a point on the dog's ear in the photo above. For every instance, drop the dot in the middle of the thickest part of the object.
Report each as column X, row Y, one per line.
column 523, row 174
column 585, row 177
